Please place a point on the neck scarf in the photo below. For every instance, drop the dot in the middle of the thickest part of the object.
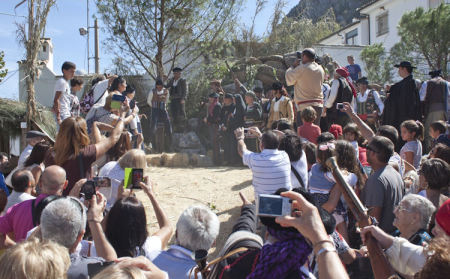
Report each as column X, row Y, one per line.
column 211, row 107
column 343, row 72
column 280, row 259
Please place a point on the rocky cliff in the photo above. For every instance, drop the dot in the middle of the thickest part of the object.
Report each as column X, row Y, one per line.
column 344, row 10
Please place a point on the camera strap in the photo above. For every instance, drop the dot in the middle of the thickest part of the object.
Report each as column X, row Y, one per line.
column 297, row 175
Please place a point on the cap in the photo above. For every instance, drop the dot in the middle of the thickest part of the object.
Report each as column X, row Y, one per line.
column 309, row 51
column 336, row 130
column 363, row 80
column 343, row 72
column 177, row 69
column 443, row 217
column 34, row 134
column 405, row 64
column 228, row 96
column 251, row 94
column 213, row 95
column 277, row 85
column 435, row 73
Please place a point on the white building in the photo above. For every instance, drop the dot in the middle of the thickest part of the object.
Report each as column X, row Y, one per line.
column 377, row 23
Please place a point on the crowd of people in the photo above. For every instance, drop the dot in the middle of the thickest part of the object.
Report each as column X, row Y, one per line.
column 53, row 226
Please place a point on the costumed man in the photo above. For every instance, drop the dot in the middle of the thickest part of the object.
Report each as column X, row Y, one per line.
column 227, row 128
column 212, row 119
column 434, row 95
column 178, row 90
column 342, row 90
column 368, row 105
column 157, row 100
column 402, row 102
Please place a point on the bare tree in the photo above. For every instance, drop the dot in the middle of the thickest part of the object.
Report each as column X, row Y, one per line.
column 29, row 34
column 156, row 33
column 250, row 34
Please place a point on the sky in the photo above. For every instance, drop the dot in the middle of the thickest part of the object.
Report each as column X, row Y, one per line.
column 62, row 27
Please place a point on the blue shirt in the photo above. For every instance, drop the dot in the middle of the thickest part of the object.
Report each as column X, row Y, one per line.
column 3, row 184
column 319, row 182
column 354, row 70
column 176, row 261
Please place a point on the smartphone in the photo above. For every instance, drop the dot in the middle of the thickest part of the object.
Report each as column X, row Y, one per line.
column 132, row 178
column 116, row 101
column 95, row 268
column 273, row 206
column 88, row 189
column 339, row 106
column 102, row 182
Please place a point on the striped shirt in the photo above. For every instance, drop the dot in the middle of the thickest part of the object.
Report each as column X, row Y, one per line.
column 271, row 170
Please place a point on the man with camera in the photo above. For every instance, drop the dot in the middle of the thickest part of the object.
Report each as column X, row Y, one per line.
column 307, row 78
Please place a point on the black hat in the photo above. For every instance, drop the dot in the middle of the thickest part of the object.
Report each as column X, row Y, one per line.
column 251, row 94
column 405, row 64
column 177, row 69
column 228, row 96
column 159, row 82
column 277, row 85
column 363, row 80
column 435, row 73
column 35, row 134
column 310, row 51
column 213, row 95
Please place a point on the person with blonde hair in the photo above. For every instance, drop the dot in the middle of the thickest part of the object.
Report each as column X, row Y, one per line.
column 74, row 152
column 132, row 268
column 34, row 259
column 115, row 170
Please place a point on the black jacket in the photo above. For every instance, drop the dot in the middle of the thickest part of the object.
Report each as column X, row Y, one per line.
column 179, row 91
column 403, row 103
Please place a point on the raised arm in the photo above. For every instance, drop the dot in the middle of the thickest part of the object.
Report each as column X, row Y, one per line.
column 366, row 131
column 165, row 228
column 239, row 133
column 105, row 144
column 95, row 217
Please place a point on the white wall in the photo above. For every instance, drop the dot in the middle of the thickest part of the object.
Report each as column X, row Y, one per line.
column 340, row 53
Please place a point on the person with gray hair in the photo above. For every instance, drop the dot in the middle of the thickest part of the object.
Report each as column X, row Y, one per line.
column 64, row 222
column 197, row 228
column 19, row 218
column 412, row 216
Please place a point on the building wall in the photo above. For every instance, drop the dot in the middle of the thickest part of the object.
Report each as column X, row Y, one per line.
column 340, row 53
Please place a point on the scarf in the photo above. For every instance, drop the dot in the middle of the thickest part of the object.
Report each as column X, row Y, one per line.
column 283, row 257
column 211, row 107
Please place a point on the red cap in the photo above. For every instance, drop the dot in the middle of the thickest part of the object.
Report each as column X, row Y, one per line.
column 443, row 217
column 336, row 130
column 343, row 72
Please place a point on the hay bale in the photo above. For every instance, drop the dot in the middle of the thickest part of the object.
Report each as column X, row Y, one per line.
column 164, row 159
column 179, row 160
column 153, row 160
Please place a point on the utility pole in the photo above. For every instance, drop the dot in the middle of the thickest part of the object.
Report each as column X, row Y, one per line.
column 97, row 64
column 87, row 26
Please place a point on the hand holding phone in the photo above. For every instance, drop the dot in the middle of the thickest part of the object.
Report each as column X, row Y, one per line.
column 116, row 101
column 273, row 206
column 339, row 106
column 132, row 177
column 88, row 189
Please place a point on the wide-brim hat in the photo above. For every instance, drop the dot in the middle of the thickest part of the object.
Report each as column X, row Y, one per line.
column 362, row 80
column 251, row 94
column 177, row 69
column 310, row 51
column 213, row 95
column 405, row 64
column 228, row 96
column 435, row 73
column 35, row 134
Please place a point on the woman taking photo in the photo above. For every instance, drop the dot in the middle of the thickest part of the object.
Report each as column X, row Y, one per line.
column 74, row 152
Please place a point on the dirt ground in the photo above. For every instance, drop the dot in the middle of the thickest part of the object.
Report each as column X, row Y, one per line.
column 217, row 188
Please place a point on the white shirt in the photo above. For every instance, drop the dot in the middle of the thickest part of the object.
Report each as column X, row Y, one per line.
column 65, row 100
column 271, row 170
column 301, row 166
column 276, row 106
column 116, row 174
column 362, row 99
column 16, row 198
column 99, row 92
column 24, row 155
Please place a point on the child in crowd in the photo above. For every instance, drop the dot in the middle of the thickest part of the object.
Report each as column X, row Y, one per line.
column 352, row 135
column 75, row 85
column 310, row 150
column 336, row 130
column 412, row 133
column 321, row 181
column 438, row 131
column 309, row 130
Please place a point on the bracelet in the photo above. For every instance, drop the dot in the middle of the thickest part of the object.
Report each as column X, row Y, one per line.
column 323, row 241
column 324, row 250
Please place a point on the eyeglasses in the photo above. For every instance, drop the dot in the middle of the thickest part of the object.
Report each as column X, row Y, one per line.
column 371, row 149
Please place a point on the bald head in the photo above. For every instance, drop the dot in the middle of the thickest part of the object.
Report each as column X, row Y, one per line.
column 53, row 180
column 21, row 180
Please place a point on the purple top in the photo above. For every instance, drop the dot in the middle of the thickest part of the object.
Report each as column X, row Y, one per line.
column 18, row 219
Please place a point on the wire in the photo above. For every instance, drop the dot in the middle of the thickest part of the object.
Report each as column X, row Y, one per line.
column 12, row 15
column 9, row 76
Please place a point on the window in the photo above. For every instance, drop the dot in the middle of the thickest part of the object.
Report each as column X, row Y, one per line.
column 382, row 24
column 44, row 48
column 350, row 37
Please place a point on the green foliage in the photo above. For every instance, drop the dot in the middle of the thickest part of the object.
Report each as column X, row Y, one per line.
column 377, row 64
column 427, row 33
column 3, row 71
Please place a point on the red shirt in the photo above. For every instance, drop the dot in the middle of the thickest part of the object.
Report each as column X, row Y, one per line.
column 363, row 156
column 309, row 131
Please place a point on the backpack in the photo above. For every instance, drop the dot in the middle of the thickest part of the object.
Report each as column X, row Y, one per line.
column 88, row 101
